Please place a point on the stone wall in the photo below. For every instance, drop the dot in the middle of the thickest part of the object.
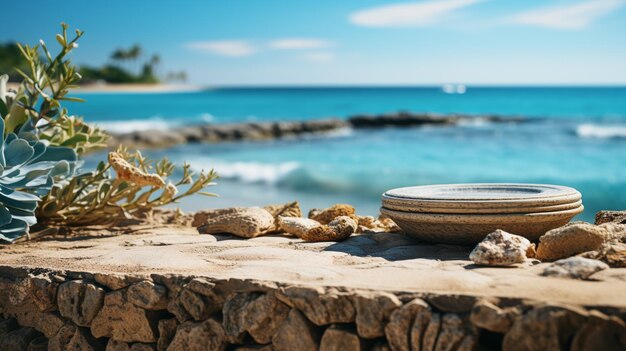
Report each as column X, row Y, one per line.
column 54, row 310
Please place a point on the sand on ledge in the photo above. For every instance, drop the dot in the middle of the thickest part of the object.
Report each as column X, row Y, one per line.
column 382, row 261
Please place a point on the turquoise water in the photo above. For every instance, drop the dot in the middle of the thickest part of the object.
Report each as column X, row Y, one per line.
column 575, row 137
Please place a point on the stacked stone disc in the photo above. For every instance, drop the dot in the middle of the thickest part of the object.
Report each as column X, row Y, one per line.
column 466, row 213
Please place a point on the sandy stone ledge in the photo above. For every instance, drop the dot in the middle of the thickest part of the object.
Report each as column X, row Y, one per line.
column 184, row 291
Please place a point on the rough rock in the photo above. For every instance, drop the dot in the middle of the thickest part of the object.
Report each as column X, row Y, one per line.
column 199, row 336
column 115, row 345
column 246, row 222
column 611, row 217
column 451, row 333
column 322, row 306
column 260, row 315
column 337, row 338
column 38, row 344
column 613, row 254
column 575, row 238
column 429, row 337
column 574, row 268
column 82, row 340
column 60, row 341
column 50, row 324
column 487, row 315
column 79, row 301
column 417, row 331
column 44, row 292
column 500, row 248
column 198, row 306
column 296, row 333
column 142, row 347
column 327, row 215
column 452, row 303
column 338, row 229
column 297, row 226
column 291, row 209
column 17, row 340
column 382, row 224
column 148, row 295
column 547, row 327
column 122, row 320
column 112, row 281
column 372, row 312
column 600, row 332
column 398, row 329
column 167, row 330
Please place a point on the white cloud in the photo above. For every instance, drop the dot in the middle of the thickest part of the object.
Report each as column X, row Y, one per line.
column 573, row 16
column 408, row 14
column 319, row 57
column 299, row 43
column 232, row 48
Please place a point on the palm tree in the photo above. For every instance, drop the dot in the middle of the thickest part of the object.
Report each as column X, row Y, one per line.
column 155, row 60
column 134, row 53
column 119, row 55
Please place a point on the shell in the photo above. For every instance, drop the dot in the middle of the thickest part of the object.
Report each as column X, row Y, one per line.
column 246, row 222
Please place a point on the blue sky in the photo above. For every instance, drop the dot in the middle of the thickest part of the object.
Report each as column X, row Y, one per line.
column 245, row 42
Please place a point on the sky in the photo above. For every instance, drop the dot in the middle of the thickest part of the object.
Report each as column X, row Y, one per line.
column 347, row 42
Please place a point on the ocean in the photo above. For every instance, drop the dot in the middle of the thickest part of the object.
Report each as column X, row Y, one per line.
column 574, row 136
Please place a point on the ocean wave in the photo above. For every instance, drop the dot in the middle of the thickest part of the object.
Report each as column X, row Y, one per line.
column 254, row 172
column 601, row 131
column 133, row 125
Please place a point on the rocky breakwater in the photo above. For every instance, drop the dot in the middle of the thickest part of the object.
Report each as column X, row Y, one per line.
column 258, row 131
column 61, row 310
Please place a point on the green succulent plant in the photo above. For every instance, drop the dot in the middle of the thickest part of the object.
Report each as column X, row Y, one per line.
column 28, row 169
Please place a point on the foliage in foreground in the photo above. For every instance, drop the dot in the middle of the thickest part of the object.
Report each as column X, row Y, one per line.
column 34, row 116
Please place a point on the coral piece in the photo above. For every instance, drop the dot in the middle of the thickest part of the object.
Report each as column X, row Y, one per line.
column 575, row 268
column 297, row 226
column 339, row 229
column 382, row 224
column 575, row 238
column 291, row 209
column 502, row 249
column 246, row 222
column 126, row 171
column 611, row 217
column 328, row 215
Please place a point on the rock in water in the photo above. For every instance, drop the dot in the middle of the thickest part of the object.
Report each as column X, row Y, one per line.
column 246, row 222
column 575, row 268
column 502, row 249
column 575, row 238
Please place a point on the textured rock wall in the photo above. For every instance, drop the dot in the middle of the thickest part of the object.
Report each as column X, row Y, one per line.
column 81, row 311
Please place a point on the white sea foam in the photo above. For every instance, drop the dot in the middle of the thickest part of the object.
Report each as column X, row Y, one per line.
column 132, row 125
column 254, row 172
column 601, row 131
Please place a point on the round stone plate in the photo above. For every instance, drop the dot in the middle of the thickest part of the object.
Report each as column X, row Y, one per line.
column 469, row 229
column 474, row 196
column 496, row 209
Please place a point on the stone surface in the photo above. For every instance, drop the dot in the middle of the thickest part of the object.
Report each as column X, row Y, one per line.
column 576, row 238
column 372, row 312
column 429, row 337
column 502, row 249
column 199, row 336
column 167, row 330
column 123, row 321
column 488, row 316
column 398, row 330
column 147, row 295
column 337, row 338
column 575, row 268
column 297, row 226
column 246, row 222
column 115, row 345
column 61, row 340
column 322, row 306
column 452, row 332
column 296, row 333
column 260, row 315
column 600, row 332
column 82, row 340
column 613, row 254
column 18, row 340
column 79, row 301
column 547, row 327
column 197, row 305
